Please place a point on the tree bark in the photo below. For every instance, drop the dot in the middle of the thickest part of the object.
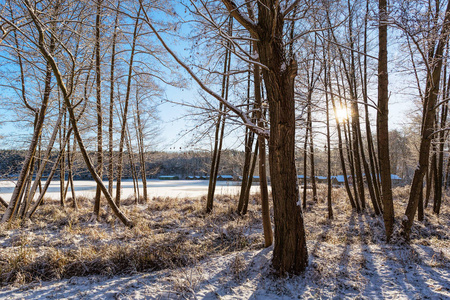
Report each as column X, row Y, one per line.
column 111, row 105
column 98, row 84
column 290, row 252
column 382, row 123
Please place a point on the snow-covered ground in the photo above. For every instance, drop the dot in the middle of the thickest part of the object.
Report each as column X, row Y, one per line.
column 334, row 272
column 348, row 257
column 156, row 188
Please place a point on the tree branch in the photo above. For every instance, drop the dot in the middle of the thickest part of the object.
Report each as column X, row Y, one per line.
column 243, row 20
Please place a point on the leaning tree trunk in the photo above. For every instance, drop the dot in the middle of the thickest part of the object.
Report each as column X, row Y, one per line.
column 3, row 202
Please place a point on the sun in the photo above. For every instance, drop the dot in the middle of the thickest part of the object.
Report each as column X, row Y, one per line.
column 341, row 113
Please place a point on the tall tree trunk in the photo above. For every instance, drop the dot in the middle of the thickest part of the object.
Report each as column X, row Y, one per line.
column 311, row 151
column 98, row 81
column 140, row 140
column 290, row 252
column 382, row 123
column 440, row 161
column 430, row 99
column 125, row 113
column 326, row 54
column 373, row 171
column 111, row 105
column 62, row 165
column 132, row 163
column 248, row 144
column 220, row 126
column 40, row 198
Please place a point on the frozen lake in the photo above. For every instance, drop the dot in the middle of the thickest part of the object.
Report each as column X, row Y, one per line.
column 156, row 188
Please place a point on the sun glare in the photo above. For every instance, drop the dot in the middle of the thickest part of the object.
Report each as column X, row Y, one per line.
column 341, row 113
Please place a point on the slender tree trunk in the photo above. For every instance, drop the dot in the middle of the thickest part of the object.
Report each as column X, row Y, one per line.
column 373, row 172
column 132, row 163
column 311, row 152
column 62, row 165
column 220, row 127
column 70, row 158
column 3, row 202
column 98, row 83
column 382, row 123
column 327, row 111
column 265, row 210
column 420, row 214
column 341, row 156
column 38, row 202
column 246, row 169
column 305, row 166
column 42, row 166
column 125, row 114
column 111, row 105
column 250, row 179
column 440, row 162
column 430, row 177
column 351, row 163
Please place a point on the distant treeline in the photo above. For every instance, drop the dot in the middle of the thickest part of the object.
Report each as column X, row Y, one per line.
column 183, row 164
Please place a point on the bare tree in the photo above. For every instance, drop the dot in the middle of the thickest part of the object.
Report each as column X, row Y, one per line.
column 279, row 71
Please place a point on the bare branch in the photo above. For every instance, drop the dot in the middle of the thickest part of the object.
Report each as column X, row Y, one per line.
column 243, row 20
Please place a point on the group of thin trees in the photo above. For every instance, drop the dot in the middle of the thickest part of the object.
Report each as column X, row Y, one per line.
column 79, row 74
column 292, row 74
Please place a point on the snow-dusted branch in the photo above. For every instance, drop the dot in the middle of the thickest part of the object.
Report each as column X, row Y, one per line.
column 242, row 19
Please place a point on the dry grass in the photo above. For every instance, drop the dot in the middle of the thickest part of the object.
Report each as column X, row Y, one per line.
column 169, row 233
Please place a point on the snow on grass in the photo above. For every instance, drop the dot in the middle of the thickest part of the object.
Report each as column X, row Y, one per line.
column 348, row 257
